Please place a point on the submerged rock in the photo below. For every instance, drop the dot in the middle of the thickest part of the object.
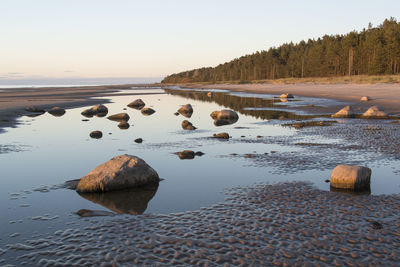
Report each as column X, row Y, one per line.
column 221, row 135
column 123, row 125
column 56, row 111
column 374, row 112
column 148, row 111
column 119, row 117
column 187, row 125
column 35, row 109
column 137, row 104
column 96, row 134
column 286, row 95
column 351, row 177
column 186, row 110
column 346, row 112
column 121, row 172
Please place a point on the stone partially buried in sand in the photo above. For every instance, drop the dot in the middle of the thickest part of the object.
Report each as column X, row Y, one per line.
column 119, row 117
column 121, row 172
column 351, row 177
column 56, row 111
column 375, row 112
column 346, row 112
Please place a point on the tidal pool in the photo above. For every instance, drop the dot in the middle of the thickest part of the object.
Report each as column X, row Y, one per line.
column 45, row 151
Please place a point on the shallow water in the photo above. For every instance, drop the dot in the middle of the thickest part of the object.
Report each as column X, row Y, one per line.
column 46, row 151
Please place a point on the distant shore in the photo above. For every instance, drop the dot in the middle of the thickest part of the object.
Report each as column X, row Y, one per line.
column 14, row 100
column 386, row 95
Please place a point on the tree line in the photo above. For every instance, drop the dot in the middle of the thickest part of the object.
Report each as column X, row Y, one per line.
column 372, row 51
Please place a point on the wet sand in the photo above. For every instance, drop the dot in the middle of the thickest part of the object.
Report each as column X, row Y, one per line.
column 289, row 224
column 384, row 95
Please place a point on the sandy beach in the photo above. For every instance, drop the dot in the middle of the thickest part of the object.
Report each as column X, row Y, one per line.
column 385, row 95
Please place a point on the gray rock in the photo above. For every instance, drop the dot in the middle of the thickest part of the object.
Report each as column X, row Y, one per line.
column 137, row 104
column 121, row 172
column 148, row 111
column 187, row 125
column 56, row 111
column 375, row 112
column 346, row 112
column 96, row 134
column 351, row 177
column 119, row 117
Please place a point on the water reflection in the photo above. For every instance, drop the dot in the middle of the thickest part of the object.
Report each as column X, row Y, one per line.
column 131, row 201
column 241, row 104
column 365, row 191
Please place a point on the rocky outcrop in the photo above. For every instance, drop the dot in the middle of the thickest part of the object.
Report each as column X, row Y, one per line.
column 98, row 110
column 224, row 117
column 119, row 117
column 35, row 109
column 351, row 177
column 187, row 125
column 286, row 95
column 96, row 134
column 137, row 104
column 186, row 110
column 56, row 111
column 221, row 135
column 148, row 111
column 121, row 172
column 375, row 112
column 346, row 112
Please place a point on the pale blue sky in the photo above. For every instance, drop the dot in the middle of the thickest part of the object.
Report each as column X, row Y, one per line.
column 121, row 38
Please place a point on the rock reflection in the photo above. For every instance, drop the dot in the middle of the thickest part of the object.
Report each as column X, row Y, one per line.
column 366, row 191
column 224, row 122
column 131, row 201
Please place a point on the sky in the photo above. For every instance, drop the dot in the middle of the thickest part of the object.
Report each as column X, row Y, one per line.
column 154, row 38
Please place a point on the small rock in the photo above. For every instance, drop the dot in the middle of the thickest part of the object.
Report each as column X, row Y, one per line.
column 351, row 177
column 176, row 113
column 222, row 135
column 96, row 134
column 346, row 112
column 186, row 154
column 119, row 117
column 137, row 104
column 286, row 95
column 327, row 181
column 365, row 98
column 187, row 125
column 56, row 111
column 376, row 225
column 148, row 111
column 34, row 109
column 138, row 140
column 374, row 112
column 123, row 125
column 210, row 94
column 199, row 153
column 186, row 110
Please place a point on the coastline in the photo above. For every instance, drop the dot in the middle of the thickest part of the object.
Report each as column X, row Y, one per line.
column 14, row 100
column 385, row 95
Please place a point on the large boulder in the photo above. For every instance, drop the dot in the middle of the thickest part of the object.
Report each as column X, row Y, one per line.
column 56, row 111
column 346, row 112
column 147, row 111
column 121, row 172
column 187, row 125
column 374, row 112
column 137, row 104
column 119, row 117
column 186, row 110
column 351, row 177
